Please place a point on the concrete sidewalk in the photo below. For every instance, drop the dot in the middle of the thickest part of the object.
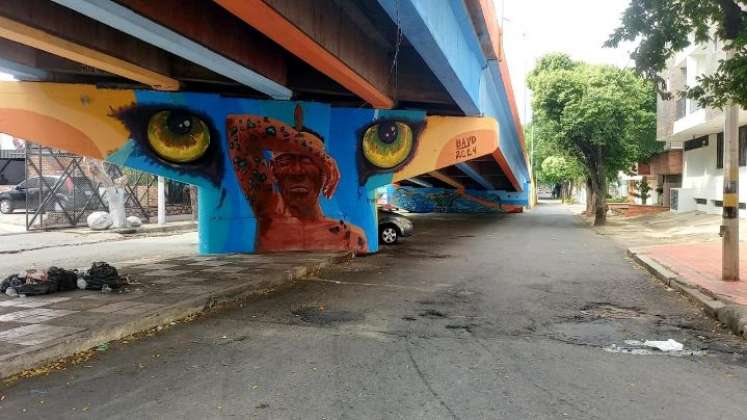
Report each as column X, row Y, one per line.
column 42, row 329
column 695, row 270
column 29, row 241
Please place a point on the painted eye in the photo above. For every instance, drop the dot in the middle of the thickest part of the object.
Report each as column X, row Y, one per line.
column 178, row 136
column 387, row 144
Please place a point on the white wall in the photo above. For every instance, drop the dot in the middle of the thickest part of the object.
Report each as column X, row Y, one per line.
column 699, row 173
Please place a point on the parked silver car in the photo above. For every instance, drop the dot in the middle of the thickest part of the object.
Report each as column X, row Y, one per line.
column 393, row 226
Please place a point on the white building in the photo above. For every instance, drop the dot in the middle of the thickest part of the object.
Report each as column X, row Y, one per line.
column 699, row 132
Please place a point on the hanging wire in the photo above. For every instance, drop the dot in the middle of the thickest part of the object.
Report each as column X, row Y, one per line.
column 394, row 68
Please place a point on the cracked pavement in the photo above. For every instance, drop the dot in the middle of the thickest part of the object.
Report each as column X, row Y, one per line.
column 517, row 316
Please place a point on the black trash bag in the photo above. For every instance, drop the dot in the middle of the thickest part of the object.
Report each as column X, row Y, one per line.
column 36, row 282
column 102, row 274
column 13, row 280
column 65, row 279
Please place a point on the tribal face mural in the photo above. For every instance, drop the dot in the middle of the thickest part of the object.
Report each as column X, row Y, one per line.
column 272, row 175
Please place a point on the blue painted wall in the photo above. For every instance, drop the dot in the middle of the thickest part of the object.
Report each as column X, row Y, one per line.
column 227, row 222
column 443, row 200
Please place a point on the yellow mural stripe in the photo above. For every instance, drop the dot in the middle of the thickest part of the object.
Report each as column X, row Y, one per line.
column 36, row 38
column 83, row 107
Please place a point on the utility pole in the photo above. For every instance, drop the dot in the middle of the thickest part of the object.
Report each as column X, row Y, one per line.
column 730, row 216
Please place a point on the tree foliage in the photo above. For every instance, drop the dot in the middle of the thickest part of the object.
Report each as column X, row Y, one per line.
column 557, row 169
column 601, row 116
column 664, row 27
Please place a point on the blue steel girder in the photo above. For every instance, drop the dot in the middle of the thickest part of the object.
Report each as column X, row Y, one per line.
column 21, row 71
column 475, row 175
column 450, row 52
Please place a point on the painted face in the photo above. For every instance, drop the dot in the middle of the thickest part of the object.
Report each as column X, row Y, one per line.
column 300, row 181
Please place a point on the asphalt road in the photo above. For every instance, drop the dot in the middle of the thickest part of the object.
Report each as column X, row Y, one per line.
column 482, row 317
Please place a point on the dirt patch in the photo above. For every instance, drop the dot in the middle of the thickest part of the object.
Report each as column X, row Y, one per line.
column 604, row 310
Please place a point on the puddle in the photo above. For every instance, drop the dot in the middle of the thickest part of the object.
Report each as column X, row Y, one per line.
column 320, row 315
column 652, row 348
column 432, row 313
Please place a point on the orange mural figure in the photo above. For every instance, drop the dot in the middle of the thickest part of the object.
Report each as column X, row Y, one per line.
column 283, row 171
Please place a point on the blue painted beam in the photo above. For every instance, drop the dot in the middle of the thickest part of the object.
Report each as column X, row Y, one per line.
column 127, row 21
column 440, row 33
column 472, row 173
column 21, row 71
column 443, row 34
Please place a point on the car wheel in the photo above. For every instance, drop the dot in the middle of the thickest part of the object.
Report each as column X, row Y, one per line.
column 6, row 207
column 388, row 235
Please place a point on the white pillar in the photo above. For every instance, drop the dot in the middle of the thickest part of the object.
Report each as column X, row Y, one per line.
column 161, row 200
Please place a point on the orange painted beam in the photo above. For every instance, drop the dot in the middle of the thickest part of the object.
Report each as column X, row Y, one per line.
column 41, row 40
column 447, row 179
column 275, row 26
column 503, row 163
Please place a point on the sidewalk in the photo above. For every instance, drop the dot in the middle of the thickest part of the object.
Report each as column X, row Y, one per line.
column 684, row 252
column 695, row 270
column 28, row 241
column 41, row 329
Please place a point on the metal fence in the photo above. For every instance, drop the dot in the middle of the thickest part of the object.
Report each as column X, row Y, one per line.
column 61, row 190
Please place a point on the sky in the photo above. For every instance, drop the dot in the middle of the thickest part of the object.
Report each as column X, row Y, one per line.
column 533, row 28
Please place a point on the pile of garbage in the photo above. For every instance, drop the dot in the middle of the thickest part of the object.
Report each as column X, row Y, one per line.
column 101, row 276
column 101, row 220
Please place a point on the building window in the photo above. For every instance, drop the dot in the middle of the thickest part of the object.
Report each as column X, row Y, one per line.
column 701, row 201
column 742, row 148
column 696, row 143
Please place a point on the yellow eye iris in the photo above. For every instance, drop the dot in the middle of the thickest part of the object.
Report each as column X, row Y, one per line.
column 387, row 144
column 178, row 136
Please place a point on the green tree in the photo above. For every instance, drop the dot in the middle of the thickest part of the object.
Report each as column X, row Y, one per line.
column 602, row 116
column 664, row 27
column 563, row 170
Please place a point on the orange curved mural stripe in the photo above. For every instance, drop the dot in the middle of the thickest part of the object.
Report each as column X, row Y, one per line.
column 85, row 110
column 48, row 131
column 446, row 141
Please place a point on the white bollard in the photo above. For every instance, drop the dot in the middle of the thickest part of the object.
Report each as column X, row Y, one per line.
column 161, row 200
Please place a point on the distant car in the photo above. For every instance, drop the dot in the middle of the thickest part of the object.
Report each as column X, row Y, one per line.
column 393, row 226
column 15, row 198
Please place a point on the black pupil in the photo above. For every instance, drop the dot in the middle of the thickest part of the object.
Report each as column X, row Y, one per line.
column 179, row 123
column 388, row 132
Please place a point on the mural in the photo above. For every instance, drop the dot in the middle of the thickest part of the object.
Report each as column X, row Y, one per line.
column 272, row 175
column 442, row 200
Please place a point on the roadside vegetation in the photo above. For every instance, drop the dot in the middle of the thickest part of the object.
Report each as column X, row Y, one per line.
column 590, row 122
column 663, row 28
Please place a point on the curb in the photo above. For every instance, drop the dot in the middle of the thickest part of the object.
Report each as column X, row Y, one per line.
column 732, row 315
column 15, row 363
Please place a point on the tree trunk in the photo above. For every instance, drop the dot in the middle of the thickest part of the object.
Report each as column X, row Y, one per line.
column 193, row 201
column 599, row 186
column 589, row 197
